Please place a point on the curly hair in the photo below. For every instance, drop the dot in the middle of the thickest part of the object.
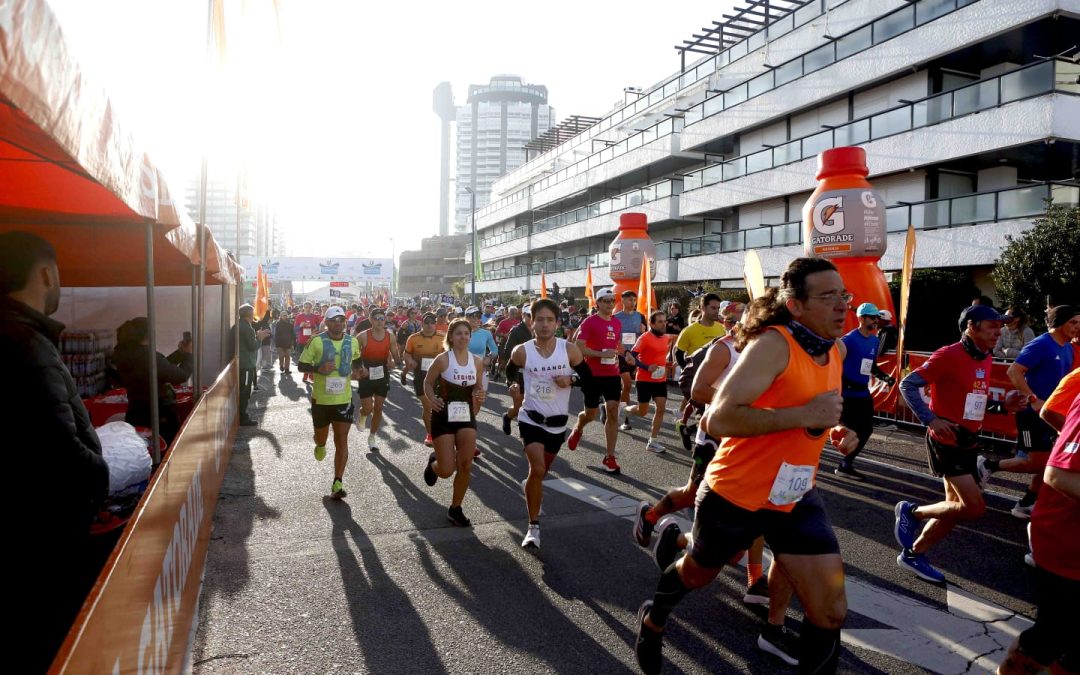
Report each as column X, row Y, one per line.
column 771, row 308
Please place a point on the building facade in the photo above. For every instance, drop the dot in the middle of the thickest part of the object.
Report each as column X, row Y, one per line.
column 493, row 126
column 969, row 112
column 239, row 225
column 435, row 267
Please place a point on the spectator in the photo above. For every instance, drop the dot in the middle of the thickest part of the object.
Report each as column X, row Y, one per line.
column 888, row 334
column 265, row 349
column 284, row 341
column 675, row 323
column 1015, row 335
column 249, row 351
column 132, row 360
column 54, row 461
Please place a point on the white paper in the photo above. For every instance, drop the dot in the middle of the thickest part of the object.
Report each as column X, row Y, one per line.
column 457, row 411
column 792, row 482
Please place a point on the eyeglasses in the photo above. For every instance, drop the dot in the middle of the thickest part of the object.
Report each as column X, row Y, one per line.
column 378, row 318
column 834, row 297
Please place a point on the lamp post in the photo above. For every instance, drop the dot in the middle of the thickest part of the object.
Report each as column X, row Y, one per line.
column 472, row 219
column 393, row 268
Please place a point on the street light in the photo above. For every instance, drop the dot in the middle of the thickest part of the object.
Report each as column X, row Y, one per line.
column 472, row 218
column 393, row 268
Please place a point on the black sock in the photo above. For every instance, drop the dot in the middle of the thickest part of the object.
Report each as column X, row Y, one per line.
column 534, row 522
column 1028, row 499
column 819, row 649
column 992, row 465
column 669, row 592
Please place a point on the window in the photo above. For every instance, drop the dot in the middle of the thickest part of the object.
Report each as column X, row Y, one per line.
column 789, row 71
column 890, row 26
column 819, row 58
column 854, row 42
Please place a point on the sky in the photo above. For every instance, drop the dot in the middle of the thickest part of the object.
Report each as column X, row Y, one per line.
column 327, row 105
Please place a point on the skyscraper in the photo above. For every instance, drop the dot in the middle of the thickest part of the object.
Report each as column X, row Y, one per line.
column 244, row 228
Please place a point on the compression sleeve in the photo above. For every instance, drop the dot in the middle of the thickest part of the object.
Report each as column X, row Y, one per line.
column 909, row 389
column 583, row 372
column 513, row 373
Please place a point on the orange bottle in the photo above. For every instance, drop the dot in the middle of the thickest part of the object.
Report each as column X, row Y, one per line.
column 844, row 221
column 626, row 252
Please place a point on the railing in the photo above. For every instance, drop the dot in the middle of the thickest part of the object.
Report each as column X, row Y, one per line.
column 617, row 203
column 503, row 237
column 1032, row 80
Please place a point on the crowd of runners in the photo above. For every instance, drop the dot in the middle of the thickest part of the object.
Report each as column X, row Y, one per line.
column 765, row 386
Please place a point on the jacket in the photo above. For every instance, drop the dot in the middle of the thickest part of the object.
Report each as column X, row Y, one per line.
column 249, row 346
column 132, row 362
column 284, row 337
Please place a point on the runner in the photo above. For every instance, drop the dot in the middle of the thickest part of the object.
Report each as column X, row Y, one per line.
column 420, row 352
column 549, row 366
column 1056, row 549
column 632, row 323
column 306, row 326
column 598, row 339
column 859, row 364
column 451, row 388
column 772, row 413
column 332, row 358
column 481, row 343
column 960, row 377
column 699, row 333
column 519, row 335
column 649, row 356
column 379, row 351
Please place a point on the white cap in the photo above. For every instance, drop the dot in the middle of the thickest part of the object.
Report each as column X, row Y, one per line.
column 333, row 313
column 604, row 293
column 885, row 314
column 527, row 309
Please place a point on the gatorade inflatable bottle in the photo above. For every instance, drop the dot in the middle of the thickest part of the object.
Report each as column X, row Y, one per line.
column 844, row 221
column 627, row 250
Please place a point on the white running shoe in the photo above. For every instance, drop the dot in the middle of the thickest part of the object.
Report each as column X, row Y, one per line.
column 654, row 446
column 984, row 473
column 361, row 422
column 532, row 537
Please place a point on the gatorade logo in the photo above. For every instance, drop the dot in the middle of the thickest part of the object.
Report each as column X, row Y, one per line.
column 828, row 215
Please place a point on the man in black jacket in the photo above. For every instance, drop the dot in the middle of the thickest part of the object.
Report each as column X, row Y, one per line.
column 132, row 359
column 57, row 476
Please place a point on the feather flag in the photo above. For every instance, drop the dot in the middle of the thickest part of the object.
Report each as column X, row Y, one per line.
column 543, row 284
column 262, row 294
column 644, row 296
column 589, row 286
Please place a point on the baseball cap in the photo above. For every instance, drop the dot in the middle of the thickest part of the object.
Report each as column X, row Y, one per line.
column 978, row 313
column 868, row 309
column 885, row 314
column 333, row 313
column 724, row 304
column 246, row 307
column 1056, row 317
column 605, row 293
column 629, row 294
column 473, row 309
column 527, row 309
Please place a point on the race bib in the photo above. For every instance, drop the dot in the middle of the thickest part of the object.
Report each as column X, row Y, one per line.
column 609, row 360
column 792, row 482
column 658, row 372
column 975, row 407
column 544, row 391
column 457, row 411
column 425, row 363
column 335, row 385
column 376, row 372
column 629, row 339
column 865, row 366
column 307, row 332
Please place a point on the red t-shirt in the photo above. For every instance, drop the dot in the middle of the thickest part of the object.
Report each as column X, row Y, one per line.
column 599, row 335
column 959, row 385
column 308, row 325
column 1056, row 518
column 652, row 351
column 507, row 325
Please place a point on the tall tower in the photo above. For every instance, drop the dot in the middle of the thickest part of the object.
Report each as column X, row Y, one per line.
column 444, row 107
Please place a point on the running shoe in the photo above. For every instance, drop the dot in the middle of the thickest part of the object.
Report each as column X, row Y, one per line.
column 905, row 529
column 457, row 517
column 849, row 472
column 918, row 564
column 648, row 648
column 337, row 490
column 430, row 477
column 667, row 543
column 655, row 447
column 427, row 441
column 758, row 594
column 404, row 376
column 574, row 439
column 476, row 453
column 506, row 424
column 1022, row 511
column 625, row 426
column 603, row 413
column 361, row 422
column 610, row 465
column 532, row 537
column 679, row 427
column 781, row 642
column 320, row 453
column 686, row 434
column 642, row 527
column 984, row 473
column 1029, row 559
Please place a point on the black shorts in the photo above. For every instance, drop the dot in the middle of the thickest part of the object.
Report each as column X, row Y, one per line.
column 625, row 368
column 367, row 388
column 1053, row 637
column 722, row 529
column 647, row 391
column 1033, row 434
column 530, row 433
column 323, row 415
column 947, row 461
column 441, row 426
column 703, row 454
column 606, row 387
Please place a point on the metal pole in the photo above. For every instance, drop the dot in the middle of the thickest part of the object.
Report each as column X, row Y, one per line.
column 200, row 354
column 155, row 422
column 475, row 252
column 196, row 344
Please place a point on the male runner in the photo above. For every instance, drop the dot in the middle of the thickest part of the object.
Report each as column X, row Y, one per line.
column 519, row 334
column 960, row 377
column 695, row 336
column 632, row 324
column 772, row 412
column 306, row 326
column 379, row 351
column 332, row 358
column 649, row 356
column 420, row 352
column 548, row 367
column 598, row 339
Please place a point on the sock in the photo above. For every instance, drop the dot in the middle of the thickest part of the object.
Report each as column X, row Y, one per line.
column 651, row 517
column 753, row 573
column 669, row 592
column 534, row 522
column 819, row 648
column 1028, row 499
column 993, row 465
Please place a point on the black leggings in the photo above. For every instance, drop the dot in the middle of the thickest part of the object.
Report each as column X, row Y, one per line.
column 858, row 415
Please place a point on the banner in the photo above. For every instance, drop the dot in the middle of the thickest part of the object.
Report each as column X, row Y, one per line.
column 321, row 269
column 589, row 287
column 645, row 295
column 753, row 276
column 262, row 294
column 543, row 284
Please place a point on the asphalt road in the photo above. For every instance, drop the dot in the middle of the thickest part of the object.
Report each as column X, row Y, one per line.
column 382, row 583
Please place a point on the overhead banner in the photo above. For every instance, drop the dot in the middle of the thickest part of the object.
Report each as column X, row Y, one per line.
column 321, row 269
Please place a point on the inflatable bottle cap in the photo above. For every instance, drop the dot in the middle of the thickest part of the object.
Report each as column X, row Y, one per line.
column 633, row 221
column 843, row 161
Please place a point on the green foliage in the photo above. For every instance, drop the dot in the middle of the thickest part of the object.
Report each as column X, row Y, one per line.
column 934, row 305
column 1043, row 261
column 676, row 292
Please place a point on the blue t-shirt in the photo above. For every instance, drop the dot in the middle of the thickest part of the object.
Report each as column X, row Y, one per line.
column 631, row 322
column 861, row 354
column 482, row 342
column 1046, row 362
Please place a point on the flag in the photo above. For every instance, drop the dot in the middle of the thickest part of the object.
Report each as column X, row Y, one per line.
column 753, row 276
column 644, row 296
column 543, row 284
column 262, row 294
column 478, row 268
column 588, row 286
column 905, row 291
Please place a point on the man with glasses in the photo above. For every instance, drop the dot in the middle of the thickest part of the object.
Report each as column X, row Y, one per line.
column 632, row 324
column 420, row 352
column 599, row 339
column 379, row 351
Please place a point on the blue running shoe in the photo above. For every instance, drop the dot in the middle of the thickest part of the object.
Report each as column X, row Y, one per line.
column 906, row 527
column 916, row 563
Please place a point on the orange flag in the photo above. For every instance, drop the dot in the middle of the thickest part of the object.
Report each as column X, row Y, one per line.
column 262, row 294
column 588, row 285
column 644, row 295
column 543, row 284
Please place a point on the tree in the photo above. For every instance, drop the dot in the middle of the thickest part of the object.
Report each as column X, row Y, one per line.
column 937, row 297
column 1042, row 262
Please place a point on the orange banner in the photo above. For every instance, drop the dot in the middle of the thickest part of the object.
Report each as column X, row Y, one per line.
column 645, row 294
column 138, row 616
column 588, row 286
column 543, row 284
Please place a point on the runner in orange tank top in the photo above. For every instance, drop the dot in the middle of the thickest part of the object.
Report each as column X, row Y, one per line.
column 774, row 412
column 377, row 347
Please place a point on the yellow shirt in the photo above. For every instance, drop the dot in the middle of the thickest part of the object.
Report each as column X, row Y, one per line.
column 696, row 335
column 313, row 354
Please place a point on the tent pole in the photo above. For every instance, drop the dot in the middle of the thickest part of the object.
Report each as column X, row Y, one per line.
column 155, row 420
column 197, row 346
column 201, row 315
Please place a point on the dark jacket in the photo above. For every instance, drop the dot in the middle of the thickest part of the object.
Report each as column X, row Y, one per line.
column 132, row 361
column 284, row 337
column 519, row 334
column 52, row 447
column 249, row 345
column 264, row 324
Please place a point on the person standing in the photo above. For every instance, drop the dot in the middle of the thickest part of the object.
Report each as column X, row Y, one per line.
column 420, row 352
column 1015, row 335
column 632, row 324
column 379, row 351
column 598, row 339
column 332, row 358
column 131, row 357
column 284, row 341
column 54, row 457
column 265, row 325
column 248, row 359
column 649, row 356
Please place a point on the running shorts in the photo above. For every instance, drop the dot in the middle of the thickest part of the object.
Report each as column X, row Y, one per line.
column 608, row 388
column 418, row 383
column 1053, row 637
column 1033, row 434
column 947, row 461
column 441, row 426
column 367, row 388
column 530, row 433
column 647, row 391
column 323, row 415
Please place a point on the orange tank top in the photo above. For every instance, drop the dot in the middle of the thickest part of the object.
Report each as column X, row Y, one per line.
column 745, row 471
column 375, row 352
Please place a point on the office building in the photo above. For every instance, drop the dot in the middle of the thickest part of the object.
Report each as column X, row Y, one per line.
column 435, row 267
column 239, row 224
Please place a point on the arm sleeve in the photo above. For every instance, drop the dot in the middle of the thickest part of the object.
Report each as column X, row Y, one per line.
column 491, row 346
column 176, row 368
column 909, row 389
column 584, row 373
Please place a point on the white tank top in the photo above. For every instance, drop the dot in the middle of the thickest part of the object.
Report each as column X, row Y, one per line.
column 729, row 342
column 542, row 395
column 455, row 373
